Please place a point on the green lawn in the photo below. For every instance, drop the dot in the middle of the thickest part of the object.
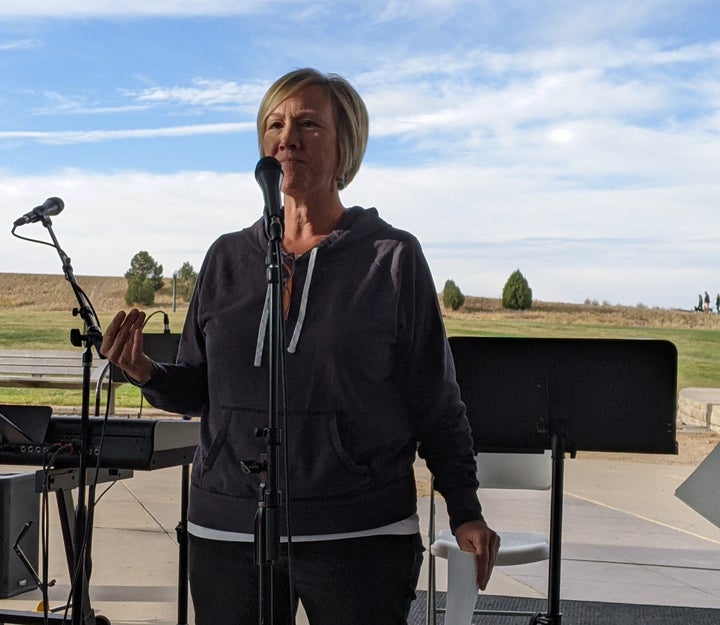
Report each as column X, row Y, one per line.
column 51, row 330
column 698, row 349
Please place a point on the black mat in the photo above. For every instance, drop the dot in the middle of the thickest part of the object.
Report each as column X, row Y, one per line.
column 575, row 612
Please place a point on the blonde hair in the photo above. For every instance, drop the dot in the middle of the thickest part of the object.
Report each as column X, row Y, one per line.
column 351, row 116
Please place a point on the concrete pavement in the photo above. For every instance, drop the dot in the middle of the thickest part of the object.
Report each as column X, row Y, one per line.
column 626, row 539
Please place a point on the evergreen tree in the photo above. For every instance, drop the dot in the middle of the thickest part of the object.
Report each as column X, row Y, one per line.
column 452, row 295
column 517, row 294
column 185, row 279
column 144, row 278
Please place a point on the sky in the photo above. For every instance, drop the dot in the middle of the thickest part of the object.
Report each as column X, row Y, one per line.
column 578, row 142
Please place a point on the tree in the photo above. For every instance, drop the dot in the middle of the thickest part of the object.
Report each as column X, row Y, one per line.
column 517, row 294
column 452, row 296
column 185, row 279
column 144, row 278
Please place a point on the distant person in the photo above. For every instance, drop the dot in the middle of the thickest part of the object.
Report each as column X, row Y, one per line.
column 717, row 303
column 706, row 303
column 699, row 306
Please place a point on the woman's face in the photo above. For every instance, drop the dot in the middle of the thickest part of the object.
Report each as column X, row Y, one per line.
column 301, row 134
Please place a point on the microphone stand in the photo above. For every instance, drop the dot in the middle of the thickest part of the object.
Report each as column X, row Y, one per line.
column 268, row 174
column 268, row 545
column 91, row 338
column 267, row 517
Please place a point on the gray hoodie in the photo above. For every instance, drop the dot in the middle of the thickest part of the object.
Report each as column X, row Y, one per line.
column 370, row 383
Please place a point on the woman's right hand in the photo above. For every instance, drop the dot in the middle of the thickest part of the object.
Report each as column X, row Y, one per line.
column 122, row 345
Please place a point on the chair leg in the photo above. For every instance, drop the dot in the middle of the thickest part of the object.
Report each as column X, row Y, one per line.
column 462, row 590
column 431, row 603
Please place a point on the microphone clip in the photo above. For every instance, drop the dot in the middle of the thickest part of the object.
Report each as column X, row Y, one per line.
column 274, row 225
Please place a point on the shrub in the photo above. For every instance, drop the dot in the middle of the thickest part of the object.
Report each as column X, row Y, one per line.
column 185, row 279
column 452, row 296
column 144, row 278
column 517, row 294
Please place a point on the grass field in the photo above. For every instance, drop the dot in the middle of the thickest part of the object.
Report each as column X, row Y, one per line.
column 35, row 313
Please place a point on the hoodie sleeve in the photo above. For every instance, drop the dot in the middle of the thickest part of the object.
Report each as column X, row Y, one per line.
column 177, row 388
column 432, row 394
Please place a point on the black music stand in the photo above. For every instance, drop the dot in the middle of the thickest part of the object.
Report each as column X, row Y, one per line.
column 567, row 395
column 20, row 425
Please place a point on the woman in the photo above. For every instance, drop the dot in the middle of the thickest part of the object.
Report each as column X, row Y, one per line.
column 369, row 380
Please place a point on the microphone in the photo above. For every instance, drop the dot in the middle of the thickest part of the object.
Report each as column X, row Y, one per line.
column 269, row 175
column 166, row 324
column 49, row 208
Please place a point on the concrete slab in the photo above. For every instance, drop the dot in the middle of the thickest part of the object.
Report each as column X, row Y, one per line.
column 626, row 538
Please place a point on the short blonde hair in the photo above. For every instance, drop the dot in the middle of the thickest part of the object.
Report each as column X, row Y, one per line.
column 351, row 116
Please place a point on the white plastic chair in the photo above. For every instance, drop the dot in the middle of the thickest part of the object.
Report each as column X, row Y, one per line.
column 530, row 471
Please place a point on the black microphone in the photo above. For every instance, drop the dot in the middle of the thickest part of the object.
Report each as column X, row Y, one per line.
column 269, row 175
column 51, row 207
column 166, row 324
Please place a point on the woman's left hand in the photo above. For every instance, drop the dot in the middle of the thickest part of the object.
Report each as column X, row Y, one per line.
column 477, row 538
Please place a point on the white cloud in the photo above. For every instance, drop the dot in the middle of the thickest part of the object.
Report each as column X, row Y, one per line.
column 128, row 8
column 19, row 44
column 206, row 93
column 476, row 226
column 60, row 104
column 95, row 136
column 108, row 218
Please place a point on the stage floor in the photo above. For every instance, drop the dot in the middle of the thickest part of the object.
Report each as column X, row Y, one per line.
column 627, row 540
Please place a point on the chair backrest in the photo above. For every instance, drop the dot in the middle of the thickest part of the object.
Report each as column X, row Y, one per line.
column 532, row 471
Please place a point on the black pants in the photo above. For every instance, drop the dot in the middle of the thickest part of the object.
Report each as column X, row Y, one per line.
column 359, row 581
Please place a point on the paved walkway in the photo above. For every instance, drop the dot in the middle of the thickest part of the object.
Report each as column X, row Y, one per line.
column 626, row 539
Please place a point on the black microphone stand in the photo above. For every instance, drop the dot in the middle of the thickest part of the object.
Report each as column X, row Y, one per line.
column 268, row 173
column 267, row 517
column 82, row 614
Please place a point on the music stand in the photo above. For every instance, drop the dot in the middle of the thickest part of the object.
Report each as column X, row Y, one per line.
column 701, row 490
column 20, row 425
column 567, row 395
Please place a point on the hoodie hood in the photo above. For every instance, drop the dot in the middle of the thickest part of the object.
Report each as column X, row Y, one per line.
column 355, row 224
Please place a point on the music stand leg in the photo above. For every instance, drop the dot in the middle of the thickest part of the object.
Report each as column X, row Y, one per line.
column 67, row 524
column 553, row 615
column 182, row 538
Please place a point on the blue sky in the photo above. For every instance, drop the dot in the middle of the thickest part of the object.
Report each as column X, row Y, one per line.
column 576, row 141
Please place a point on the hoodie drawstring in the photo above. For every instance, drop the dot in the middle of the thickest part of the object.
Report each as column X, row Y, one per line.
column 303, row 303
column 262, row 330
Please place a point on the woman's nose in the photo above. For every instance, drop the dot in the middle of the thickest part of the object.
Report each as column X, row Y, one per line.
column 290, row 138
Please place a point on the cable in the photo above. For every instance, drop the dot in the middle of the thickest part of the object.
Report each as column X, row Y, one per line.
column 166, row 320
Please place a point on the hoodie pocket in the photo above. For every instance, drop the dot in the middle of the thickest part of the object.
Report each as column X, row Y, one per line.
column 234, row 442
column 319, row 463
